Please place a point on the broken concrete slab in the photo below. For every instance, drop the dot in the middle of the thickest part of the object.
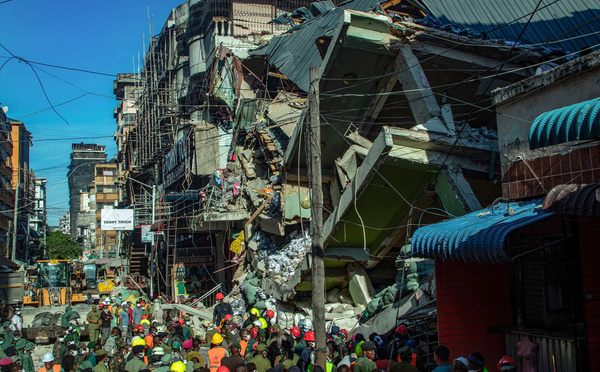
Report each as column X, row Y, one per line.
column 360, row 286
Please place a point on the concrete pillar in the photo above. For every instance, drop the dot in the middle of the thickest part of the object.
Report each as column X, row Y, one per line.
column 455, row 192
column 412, row 77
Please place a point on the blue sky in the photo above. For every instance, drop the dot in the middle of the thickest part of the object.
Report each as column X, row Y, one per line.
column 101, row 36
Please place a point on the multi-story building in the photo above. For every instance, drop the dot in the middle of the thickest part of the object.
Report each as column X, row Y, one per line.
column 64, row 223
column 105, row 196
column 38, row 219
column 80, row 175
column 24, row 180
column 6, row 191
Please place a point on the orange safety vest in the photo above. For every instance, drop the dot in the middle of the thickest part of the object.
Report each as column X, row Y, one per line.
column 55, row 368
column 149, row 339
column 243, row 345
column 214, row 358
column 413, row 362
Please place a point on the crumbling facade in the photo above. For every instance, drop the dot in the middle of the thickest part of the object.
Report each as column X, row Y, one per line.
column 218, row 137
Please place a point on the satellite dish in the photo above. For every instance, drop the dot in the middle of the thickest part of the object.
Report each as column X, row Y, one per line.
column 5, row 109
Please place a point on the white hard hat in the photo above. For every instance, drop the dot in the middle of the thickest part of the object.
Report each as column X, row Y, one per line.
column 307, row 323
column 47, row 358
column 107, row 300
column 123, row 303
column 257, row 323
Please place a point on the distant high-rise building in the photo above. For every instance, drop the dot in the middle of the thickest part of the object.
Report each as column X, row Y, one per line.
column 65, row 223
column 81, row 174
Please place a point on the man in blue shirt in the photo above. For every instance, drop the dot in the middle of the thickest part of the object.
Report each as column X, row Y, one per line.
column 124, row 318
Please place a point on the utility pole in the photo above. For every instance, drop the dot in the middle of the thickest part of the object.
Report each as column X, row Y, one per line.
column 14, row 241
column 316, row 212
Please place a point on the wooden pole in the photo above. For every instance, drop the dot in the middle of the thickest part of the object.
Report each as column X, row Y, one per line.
column 318, row 267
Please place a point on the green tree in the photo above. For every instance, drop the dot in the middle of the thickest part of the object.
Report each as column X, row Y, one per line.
column 60, row 246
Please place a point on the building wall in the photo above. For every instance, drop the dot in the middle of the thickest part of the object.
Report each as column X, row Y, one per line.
column 528, row 173
column 472, row 298
column 515, row 117
column 590, row 261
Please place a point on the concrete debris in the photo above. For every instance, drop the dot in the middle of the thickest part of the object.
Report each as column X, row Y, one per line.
column 281, row 260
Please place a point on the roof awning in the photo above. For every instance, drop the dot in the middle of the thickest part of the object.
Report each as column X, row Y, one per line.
column 479, row 236
column 574, row 200
column 576, row 122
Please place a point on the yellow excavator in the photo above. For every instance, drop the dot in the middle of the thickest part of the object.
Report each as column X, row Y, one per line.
column 55, row 282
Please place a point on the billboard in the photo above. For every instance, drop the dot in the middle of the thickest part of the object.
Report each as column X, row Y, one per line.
column 117, row 219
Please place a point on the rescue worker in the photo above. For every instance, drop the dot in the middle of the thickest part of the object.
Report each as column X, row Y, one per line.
column 94, row 321
column 305, row 358
column 17, row 320
column 26, row 360
column 187, row 331
column 64, row 319
column 221, row 310
column 73, row 328
column 507, row 364
column 136, row 364
column 119, row 359
column 8, row 334
column 100, row 359
column 216, row 352
column 404, row 365
column 136, row 314
column 260, row 359
column 49, row 366
column 124, row 321
column 366, row 362
column 105, row 321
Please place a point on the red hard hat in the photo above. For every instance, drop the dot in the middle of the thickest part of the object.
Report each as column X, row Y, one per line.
column 344, row 332
column 506, row 360
column 270, row 313
column 402, row 329
column 219, row 296
column 139, row 327
column 181, row 321
column 223, row 369
column 309, row 336
column 228, row 316
column 253, row 332
column 144, row 316
column 295, row 331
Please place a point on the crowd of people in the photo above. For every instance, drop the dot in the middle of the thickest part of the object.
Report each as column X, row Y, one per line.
column 144, row 337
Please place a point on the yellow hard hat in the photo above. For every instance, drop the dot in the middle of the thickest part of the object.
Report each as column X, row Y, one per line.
column 263, row 323
column 178, row 367
column 217, row 339
column 145, row 321
column 138, row 341
column 255, row 311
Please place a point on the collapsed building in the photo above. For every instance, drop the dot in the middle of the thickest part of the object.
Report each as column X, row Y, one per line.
column 212, row 150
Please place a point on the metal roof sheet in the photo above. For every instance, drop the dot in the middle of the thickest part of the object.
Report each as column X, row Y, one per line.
column 576, row 122
column 574, row 200
column 295, row 52
column 565, row 22
column 478, row 236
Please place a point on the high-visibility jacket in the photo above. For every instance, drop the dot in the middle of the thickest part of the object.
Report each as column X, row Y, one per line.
column 243, row 345
column 215, row 355
column 55, row 368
